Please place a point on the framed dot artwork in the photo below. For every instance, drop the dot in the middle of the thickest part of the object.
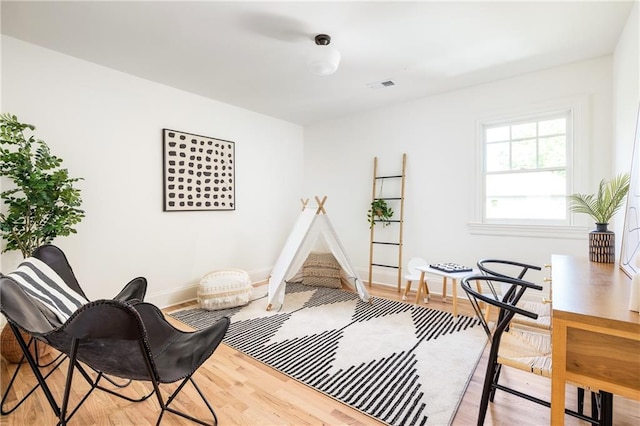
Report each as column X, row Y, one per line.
column 199, row 172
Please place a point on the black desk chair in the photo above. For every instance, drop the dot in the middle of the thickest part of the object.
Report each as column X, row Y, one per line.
column 514, row 347
column 121, row 337
column 518, row 270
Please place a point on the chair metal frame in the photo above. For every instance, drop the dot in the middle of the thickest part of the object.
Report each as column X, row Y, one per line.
column 525, row 267
column 56, row 362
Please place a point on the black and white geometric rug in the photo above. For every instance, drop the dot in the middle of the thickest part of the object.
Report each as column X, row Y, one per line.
column 400, row 363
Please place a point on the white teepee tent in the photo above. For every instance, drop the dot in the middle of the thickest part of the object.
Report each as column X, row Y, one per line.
column 312, row 229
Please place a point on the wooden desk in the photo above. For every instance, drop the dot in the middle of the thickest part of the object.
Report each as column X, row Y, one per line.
column 454, row 276
column 595, row 338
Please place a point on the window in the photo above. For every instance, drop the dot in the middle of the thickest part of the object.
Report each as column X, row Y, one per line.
column 526, row 169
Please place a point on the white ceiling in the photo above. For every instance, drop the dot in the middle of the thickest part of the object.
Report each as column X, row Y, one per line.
column 252, row 54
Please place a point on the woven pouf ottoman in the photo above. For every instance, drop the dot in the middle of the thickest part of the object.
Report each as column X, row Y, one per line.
column 224, row 289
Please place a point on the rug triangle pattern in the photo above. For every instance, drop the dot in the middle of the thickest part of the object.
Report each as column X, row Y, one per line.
column 387, row 372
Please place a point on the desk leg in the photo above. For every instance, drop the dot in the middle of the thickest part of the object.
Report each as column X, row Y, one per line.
column 427, row 295
column 444, row 289
column 455, row 297
column 606, row 405
column 558, row 372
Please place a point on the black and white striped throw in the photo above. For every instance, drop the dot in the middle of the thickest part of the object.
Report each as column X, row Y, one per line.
column 42, row 283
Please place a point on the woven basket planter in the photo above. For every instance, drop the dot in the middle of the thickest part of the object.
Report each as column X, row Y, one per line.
column 10, row 349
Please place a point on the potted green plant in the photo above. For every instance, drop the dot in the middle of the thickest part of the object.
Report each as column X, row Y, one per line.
column 605, row 203
column 41, row 201
column 379, row 212
column 601, row 206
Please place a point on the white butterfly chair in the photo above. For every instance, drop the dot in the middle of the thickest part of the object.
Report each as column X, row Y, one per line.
column 414, row 275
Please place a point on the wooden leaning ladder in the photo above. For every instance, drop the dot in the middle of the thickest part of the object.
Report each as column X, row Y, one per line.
column 399, row 221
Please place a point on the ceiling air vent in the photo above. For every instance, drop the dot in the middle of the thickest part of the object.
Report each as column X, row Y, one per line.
column 381, row 84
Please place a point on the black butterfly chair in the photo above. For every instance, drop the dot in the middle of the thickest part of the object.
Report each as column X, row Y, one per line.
column 517, row 348
column 55, row 258
column 127, row 339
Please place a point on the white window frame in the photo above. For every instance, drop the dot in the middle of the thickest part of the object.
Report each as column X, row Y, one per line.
column 577, row 156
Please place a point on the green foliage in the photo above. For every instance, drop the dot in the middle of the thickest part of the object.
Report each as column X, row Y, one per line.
column 379, row 212
column 42, row 203
column 603, row 205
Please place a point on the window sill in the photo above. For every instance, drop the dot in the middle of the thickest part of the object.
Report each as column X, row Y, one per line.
column 532, row 231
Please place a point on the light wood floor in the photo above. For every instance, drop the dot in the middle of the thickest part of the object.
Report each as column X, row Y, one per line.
column 246, row 392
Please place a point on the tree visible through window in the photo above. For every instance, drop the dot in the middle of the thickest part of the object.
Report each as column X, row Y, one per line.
column 525, row 169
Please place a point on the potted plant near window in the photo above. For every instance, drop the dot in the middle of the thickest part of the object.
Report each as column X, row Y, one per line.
column 601, row 206
column 41, row 201
column 379, row 212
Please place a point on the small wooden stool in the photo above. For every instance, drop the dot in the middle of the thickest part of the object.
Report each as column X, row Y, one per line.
column 415, row 275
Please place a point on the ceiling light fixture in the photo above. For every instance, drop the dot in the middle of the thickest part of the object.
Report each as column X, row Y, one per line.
column 323, row 59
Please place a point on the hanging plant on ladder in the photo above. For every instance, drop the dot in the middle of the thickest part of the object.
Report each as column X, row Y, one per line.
column 379, row 212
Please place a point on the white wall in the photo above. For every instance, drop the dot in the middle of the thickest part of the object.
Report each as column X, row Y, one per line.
column 626, row 95
column 439, row 136
column 107, row 126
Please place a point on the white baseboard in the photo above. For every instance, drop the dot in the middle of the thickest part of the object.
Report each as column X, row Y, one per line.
column 175, row 296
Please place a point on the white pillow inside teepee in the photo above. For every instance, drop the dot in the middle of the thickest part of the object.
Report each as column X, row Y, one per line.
column 321, row 269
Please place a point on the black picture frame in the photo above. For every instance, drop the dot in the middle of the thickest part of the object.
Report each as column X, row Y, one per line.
column 198, row 172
